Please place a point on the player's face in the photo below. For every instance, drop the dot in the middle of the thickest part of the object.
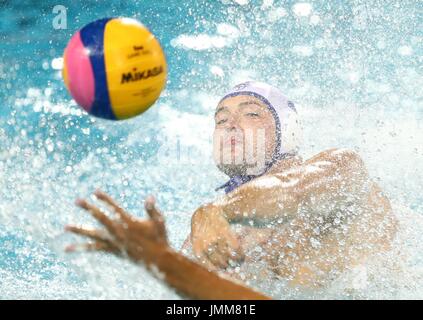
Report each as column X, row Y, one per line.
column 244, row 135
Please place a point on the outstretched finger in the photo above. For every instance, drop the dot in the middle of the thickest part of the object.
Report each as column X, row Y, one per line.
column 152, row 211
column 106, row 198
column 98, row 214
column 89, row 233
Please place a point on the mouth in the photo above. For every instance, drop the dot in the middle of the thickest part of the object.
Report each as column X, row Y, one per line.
column 233, row 141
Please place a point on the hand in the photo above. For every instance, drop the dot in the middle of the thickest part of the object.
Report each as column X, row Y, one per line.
column 213, row 241
column 139, row 239
column 145, row 240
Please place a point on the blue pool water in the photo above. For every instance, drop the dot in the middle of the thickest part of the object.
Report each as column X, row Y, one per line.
column 353, row 68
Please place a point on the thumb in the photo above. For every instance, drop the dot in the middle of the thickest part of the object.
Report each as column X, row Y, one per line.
column 152, row 211
column 155, row 215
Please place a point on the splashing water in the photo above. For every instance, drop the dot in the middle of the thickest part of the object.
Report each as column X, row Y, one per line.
column 353, row 68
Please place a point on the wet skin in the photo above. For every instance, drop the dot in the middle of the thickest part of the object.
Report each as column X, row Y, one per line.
column 315, row 217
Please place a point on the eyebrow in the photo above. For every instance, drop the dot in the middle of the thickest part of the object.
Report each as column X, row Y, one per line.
column 220, row 109
column 240, row 104
column 249, row 102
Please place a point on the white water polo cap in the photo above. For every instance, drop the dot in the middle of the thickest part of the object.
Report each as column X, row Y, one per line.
column 288, row 126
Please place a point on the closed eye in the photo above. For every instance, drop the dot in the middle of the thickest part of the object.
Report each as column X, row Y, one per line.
column 252, row 114
column 222, row 121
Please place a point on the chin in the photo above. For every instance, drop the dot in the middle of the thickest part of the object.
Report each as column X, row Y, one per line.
column 237, row 166
column 232, row 161
column 231, row 169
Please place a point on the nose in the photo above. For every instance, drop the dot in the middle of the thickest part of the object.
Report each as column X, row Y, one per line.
column 233, row 123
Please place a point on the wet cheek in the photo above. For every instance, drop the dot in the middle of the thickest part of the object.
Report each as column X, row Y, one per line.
column 217, row 145
column 217, row 152
column 270, row 142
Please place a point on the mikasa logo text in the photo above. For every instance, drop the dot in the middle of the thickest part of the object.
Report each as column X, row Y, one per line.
column 140, row 75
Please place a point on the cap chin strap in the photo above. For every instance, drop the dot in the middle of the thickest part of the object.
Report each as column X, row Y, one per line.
column 238, row 180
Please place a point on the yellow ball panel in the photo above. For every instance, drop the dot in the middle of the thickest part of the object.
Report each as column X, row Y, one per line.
column 135, row 67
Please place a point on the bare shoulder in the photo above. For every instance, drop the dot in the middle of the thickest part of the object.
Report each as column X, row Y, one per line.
column 336, row 156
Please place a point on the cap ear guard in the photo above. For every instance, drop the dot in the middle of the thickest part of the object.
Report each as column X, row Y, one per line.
column 291, row 133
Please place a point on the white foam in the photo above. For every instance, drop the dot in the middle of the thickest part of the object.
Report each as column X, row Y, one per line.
column 266, row 182
column 302, row 9
column 312, row 169
column 323, row 163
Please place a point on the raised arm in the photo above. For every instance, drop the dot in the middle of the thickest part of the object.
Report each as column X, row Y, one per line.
column 331, row 177
column 323, row 184
column 145, row 241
